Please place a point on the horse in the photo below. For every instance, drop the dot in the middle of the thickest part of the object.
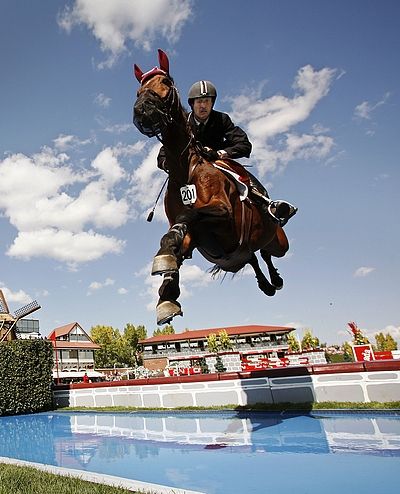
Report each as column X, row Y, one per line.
column 204, row 205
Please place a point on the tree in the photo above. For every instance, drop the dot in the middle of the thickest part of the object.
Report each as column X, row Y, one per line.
column 347, row 352
column 224, row 341
column 203, row 366
column 309, row 342
column 293, row 343
column 219, row 365
column 109, row 340
column 216, row 343
column 130, row 354
column 358, row 337
column 213, row 343
column 168, row 329
column 385, row 343
column 219, row 342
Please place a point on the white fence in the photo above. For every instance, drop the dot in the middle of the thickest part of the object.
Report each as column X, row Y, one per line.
column 295, row 385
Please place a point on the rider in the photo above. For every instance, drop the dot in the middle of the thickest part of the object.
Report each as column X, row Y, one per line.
column 220, row 139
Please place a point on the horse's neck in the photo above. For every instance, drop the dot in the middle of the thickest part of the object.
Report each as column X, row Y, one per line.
column 178, row 151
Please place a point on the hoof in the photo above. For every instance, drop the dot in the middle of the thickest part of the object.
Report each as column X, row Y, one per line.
column 163, row 264
column 167, row 310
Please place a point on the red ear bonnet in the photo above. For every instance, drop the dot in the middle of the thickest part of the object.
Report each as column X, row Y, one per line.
column 163, row 61
column 138, row 73
column 163, row 69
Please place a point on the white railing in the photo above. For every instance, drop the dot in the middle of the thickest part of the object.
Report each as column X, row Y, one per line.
column 274, row 345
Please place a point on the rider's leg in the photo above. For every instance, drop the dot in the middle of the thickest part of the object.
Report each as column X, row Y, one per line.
column 279, row 211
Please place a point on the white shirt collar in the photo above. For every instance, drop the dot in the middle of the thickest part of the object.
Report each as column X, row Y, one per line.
column 197, row 122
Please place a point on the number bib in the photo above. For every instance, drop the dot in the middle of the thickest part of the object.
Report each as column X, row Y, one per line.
column 188, row 194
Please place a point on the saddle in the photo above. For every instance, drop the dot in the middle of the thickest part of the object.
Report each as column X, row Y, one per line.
column 237, row 168
column 236, row 171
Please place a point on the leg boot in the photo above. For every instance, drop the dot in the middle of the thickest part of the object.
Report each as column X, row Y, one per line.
column 279, row 211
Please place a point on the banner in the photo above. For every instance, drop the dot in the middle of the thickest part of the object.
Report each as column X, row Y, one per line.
column 363, row 353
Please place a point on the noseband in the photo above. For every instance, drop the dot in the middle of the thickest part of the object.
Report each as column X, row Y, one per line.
column 156, row 112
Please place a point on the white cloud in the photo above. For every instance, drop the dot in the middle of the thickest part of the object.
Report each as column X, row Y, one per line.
column 117, row 23
column 147, row 181
column 191, row 276
column 19, row 296
column 122, row 291
column 98, row 285
column 64, row 245
column 118, row 128
column 363, row 271
column 319, row 129
column 392, row 330
column 267, row 119
column 108, row 166
column 102, row 100
column 53, row 222
column 43, row 293
column 64, row 142
column 365, row 109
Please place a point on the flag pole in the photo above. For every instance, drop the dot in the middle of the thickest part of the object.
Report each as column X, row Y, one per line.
column 54, row 339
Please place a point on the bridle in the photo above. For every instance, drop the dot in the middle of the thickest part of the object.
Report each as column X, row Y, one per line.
column 158, row 112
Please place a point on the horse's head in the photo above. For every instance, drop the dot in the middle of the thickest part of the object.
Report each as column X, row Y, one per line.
column 157, row 98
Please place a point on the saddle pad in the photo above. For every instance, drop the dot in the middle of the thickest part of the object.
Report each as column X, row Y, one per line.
column 242, row 187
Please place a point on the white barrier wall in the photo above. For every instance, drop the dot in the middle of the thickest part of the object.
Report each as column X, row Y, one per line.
column 229, row 389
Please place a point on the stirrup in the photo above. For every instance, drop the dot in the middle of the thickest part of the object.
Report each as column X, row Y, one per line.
column 281, row 211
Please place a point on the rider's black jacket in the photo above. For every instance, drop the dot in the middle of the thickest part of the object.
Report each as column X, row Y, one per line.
column 219, row 133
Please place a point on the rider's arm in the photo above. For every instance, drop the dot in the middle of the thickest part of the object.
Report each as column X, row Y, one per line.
column 237, row 144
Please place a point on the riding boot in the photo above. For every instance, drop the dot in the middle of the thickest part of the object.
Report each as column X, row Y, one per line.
column 279, row 211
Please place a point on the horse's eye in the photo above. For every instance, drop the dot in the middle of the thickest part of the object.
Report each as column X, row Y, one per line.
column 167, row 81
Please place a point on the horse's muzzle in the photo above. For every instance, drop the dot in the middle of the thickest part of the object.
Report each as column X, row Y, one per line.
column 147, row 116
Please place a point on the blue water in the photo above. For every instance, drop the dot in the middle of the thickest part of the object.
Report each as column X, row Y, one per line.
column 218, row 453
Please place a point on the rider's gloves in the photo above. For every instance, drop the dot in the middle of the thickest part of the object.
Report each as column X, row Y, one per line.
column 209, row 154
column 162, row 165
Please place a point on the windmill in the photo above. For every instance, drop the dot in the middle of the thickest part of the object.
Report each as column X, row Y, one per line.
column 8, row 321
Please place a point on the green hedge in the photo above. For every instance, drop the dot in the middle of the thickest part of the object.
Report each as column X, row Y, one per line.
column 25, row 376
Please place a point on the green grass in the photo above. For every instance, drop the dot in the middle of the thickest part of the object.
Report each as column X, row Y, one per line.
column 326, row 405
column 26, row 480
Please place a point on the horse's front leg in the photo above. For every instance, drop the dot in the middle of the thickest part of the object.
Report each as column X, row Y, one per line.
column 168, row 306
column 167, row 262
column 169, row 257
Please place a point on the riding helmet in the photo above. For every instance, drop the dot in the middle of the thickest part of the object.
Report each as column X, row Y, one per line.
column 202, row 89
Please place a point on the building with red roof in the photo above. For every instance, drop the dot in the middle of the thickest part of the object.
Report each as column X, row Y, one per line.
column 73, row 348
column 161, row 351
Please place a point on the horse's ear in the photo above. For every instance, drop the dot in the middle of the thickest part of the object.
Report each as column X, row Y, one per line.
column 163, row 61
column 138, row 73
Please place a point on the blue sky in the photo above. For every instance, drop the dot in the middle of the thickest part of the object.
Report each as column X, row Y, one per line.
column 314, row 83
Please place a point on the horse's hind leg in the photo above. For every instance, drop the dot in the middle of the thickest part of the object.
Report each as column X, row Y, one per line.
column 168, row 307
column 277, row 248
column 263, row 284
column 276, row 279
